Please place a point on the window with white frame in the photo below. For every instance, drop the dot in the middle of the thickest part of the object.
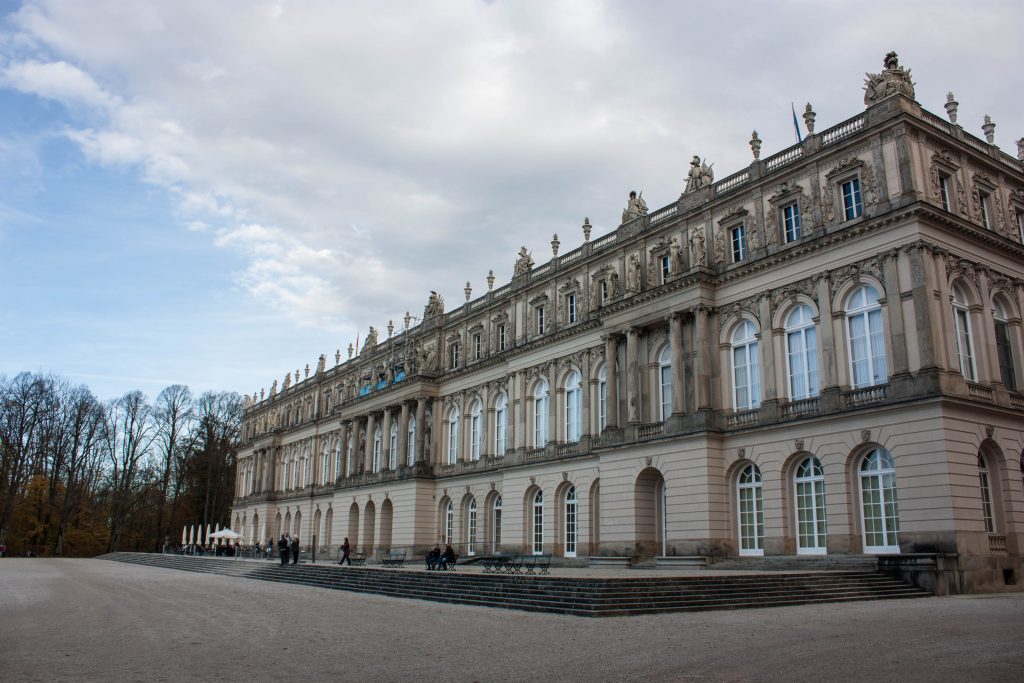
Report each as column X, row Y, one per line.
column 1004, row 349
column 986, row 496
column 453, row 355
column 738, row 240
column 537, row 523
column 478, row 352
column 964, row 340
column 500, row 424
column 750, row 510
column 985, row 200
column 501, row 337
column 665, row 265
column 350, row 455
column 880, row 513
column 393, row 446
column 410, row 446
column 604, row 288
column 475, row 425
column 853, row 205
column 572, row 407
column 791, row 221
column 665, row 382
column 540, row 414
column 569, row 520
column 376, row 449
column 471, row 528
column 453, row 435
column 325, row 466
column 868, row 366
column 602, row 398
column 1020, row 225
column 449, row 523
column 802, row 353
column 337, row 460
column 540, row 319
column 809, row 499
column 746, row 367
column 944, row 194
column 570, row 308
column 496, row 525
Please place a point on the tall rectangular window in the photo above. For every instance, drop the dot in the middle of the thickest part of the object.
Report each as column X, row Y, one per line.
column 570, row 307
column 738, row 237
column 540, row 320
column 477, row 349
column 791, row 221
column 1020, row 225
column 985, row 198
column 1005, row 355
column 666, row 268
column 944, row 191
column 501, row 337
column 853, row 206
column 453, row 361
column 604, row 289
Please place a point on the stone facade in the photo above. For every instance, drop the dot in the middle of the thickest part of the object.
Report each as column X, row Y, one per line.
column 819, row 354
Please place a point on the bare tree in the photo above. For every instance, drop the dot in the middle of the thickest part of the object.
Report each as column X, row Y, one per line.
column 130, row 434
column 80, row 468
column 174, row 416
column 22, row 407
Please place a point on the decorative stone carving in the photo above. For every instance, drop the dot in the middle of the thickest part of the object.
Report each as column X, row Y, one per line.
column 633, row 274
column 781, row 295
column 798, row 445
column 676, row 256
column 809, row 117
column 700, row 175
column 371, row 339
column 287, row 380
column 865, row 435
column 524, row 263
column 871, row 266
column 635, row 207
column 894, row 80
column 755, row 145
column 828, row 207
column 697, row 246
column 434, row 307
column 951, row 107
column 273, row 388
column 989, row 129
column 586, row 228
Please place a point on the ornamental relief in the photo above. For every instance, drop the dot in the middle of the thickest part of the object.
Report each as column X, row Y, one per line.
column 961, row 267
column 854, row 271
column 730, row 313
column 656, row 338
column 828, row 207
column 787, row 293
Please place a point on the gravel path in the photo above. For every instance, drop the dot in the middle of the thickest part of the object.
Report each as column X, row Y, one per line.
column 99, row 620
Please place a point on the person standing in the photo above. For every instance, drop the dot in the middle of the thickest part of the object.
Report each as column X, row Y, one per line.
column 282, row 550
column 295, row 550
column 345, row 550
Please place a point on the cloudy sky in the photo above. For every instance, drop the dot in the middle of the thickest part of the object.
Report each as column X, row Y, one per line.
column 216, row 193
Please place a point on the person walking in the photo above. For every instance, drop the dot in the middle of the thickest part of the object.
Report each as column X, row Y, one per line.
column 345, row 550
column 295, row 550
column 282, row 550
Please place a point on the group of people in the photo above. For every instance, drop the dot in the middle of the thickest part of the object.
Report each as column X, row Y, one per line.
column 288, row 545
column 436, row 560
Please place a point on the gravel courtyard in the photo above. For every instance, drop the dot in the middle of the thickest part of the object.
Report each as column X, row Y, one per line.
column 100, row 620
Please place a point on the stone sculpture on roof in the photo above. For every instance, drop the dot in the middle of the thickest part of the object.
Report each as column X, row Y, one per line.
column 895, row 80
column 371, row 339
column 700, row 175
column 635, row 208
column 523, row 263
column 435, row 305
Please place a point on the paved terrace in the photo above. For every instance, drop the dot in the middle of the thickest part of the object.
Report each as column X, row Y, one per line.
column 97, row 620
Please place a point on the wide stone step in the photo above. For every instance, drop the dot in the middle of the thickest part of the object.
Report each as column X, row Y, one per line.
column 563, row 595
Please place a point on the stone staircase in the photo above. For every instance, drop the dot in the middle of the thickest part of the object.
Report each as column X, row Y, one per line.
column 583, row 596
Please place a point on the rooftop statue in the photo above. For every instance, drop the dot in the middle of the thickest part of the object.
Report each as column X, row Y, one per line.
column 273, row 388
column 523, row 263
column 895, row 80
column 700, row 175
column 435, row 305
column 288, row 380
column 371, row 339
column 635, row 208
column 321, row 363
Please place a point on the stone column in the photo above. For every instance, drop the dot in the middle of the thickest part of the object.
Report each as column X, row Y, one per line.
column 611, row 354
column 675, row 328
column 921, row 289
column 437, row 433
column 894, row 306
column 385, row 440
column 766, row 343
column 421, row 411
column 403, row 435
column 517, row 406
column 826, row 341
column 702, row 362
column 987, row 338
column 585, row 395
column 632, row 375
column 462, row 447
column 343, row 436
column 371, row 423
column 946, row 349
column 554, row 391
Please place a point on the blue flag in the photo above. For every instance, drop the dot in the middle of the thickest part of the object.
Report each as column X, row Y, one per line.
column 796, row 126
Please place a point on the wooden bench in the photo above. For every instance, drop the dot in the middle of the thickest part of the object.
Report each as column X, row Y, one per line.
column 537, row 564
column 394, row 558
column 358, row 559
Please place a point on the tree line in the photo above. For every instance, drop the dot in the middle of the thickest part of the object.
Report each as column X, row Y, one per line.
column 79, row 476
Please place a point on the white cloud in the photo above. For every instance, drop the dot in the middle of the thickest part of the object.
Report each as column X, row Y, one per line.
column 58, row 81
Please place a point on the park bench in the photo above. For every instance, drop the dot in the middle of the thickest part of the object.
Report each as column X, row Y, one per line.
column 358, row 559
column 537, row 564
column 395, row 558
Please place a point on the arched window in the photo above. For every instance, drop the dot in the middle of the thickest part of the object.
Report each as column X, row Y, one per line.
column 1004, row 349
column 500, row 424
column 410, row 446
column 453, row 435
column 880, row 512
column 802, row 353
column 496, row 525
column 349, row 453
column 750, row 501
column 325, row 465
column 964, row 340
column 376, row 449
column 471, row 528
column 337, row 460
column 602, row 399
column 540, row 415
column 570, row 522
column 393, row 446
column 665, row 382
column 572, row 407
column 809, row 494
column 746, row 368
column 868, row 365
column 986, row 496
column 449, row 523
column 475, row 425
column 537, row 523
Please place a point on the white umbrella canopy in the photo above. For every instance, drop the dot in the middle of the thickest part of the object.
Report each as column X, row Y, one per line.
column 226, row 534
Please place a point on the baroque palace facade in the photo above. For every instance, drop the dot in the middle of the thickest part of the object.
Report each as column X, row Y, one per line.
column 819, row 355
